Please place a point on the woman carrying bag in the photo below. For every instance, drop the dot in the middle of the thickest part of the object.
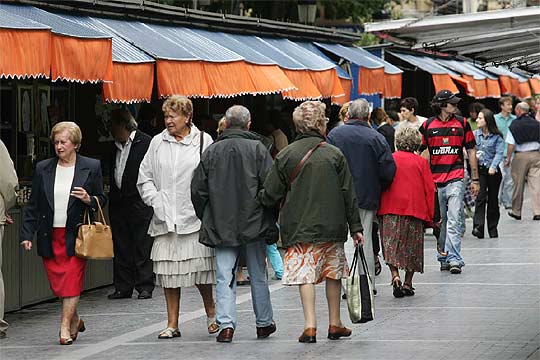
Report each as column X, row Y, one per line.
column 312, row 181
column 62, row 189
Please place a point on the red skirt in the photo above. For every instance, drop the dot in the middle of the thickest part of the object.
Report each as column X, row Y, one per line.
column 65, row 273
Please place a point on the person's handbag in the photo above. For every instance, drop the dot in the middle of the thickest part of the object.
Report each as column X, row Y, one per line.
column 360, row 291
column 94, row 239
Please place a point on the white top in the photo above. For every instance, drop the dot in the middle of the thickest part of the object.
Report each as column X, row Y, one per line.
column 122, row 155
column 528, row 146
column 165, row 181
column 405, row 123
column 62, row 190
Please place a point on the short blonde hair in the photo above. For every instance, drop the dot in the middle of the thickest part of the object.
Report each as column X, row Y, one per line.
column 407, row 139
column 343, row 112
column 310, row 116
column 179, row 104
column 74, row 132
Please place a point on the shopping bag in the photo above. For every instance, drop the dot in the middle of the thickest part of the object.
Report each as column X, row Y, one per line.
column 360, row 291
column 94, row 240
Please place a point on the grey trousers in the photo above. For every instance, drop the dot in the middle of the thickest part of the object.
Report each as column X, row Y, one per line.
column 3, row 325
column 367, row 217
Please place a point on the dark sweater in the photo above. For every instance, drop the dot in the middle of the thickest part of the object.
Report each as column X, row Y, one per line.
column 525, row 129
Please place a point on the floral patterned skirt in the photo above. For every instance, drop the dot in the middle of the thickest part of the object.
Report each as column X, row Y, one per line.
column 312, row 263
column 402, row 238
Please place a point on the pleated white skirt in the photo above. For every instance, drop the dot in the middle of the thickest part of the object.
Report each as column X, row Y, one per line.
column 181, row 261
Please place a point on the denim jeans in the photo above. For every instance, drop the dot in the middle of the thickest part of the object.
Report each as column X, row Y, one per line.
column 451, row 206
column 274, row 257
column 255, row 254
column 507, row 186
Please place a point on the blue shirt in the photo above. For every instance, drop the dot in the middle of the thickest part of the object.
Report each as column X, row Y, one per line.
column 503, row 124
column 489, row 149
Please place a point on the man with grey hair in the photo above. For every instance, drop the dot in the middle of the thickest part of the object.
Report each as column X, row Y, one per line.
column 523, row 139
column 372, row 166
column 8, row 196
column 224, row 194
column 130, row 217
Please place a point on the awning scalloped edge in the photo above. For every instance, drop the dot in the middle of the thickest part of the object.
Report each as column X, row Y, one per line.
column 92, row 81
column 131, row 101
column 228, row 96
column 25, row 76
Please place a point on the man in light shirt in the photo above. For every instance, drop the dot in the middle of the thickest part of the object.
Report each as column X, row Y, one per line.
column 523, row 139
column 504, row 119
column 130, row 217
column 8, row 184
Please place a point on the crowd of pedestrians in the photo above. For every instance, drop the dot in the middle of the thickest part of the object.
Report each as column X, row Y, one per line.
column 187, row 210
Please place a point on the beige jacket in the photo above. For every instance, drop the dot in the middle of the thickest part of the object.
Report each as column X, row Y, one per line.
column 8, row 183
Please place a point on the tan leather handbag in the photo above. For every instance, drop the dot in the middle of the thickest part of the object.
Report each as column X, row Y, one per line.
column 94, row 240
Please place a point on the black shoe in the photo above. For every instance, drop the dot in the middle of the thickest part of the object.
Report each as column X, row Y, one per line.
column 536, row 217
column 344, row 296
column 455, row 269
column 493, row 234
column 476, row 232
column 119, row 295
column 445, row 266
column 511, row 214
column 264, row 332
column 145, row 294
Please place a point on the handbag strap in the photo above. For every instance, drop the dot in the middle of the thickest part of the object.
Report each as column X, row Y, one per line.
column 354, row 263
column 302, row 162
column 201, row 143
column 100, row 211
column 363, row 260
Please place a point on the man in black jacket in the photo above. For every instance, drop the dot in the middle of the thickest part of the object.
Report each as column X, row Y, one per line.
column 224, row 194
column 130, row 217
column 523, row 139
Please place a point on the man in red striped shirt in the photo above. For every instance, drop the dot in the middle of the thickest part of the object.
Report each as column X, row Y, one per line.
column 445, row 135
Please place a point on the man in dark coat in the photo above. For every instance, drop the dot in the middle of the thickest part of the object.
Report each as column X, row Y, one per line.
column 372, row 166
column 130, row 217
column 224, row 193
column 523, row 139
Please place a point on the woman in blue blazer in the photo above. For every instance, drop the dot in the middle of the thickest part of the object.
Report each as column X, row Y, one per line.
column 62, row 189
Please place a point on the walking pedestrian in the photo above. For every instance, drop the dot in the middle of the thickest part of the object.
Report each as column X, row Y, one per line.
column 408, row 109
column 314, row 216
column 405, row 206
column 489, row 152
column 474, row 110
column 384, row 126
column 8, row 196
column 63, row 187
column 224, row 192
column 179, row 261
column 504, row 119
column 523, row 139
column 130, row 216
column 445, row 135
column 371, row 164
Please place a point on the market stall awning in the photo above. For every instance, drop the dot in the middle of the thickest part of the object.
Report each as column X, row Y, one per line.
column 508, row 36
column 484, row 84
column 371, row 70
column 443, row 78
column 26, row 47
column 511, row 83
column 130, row 66
column 77, row 52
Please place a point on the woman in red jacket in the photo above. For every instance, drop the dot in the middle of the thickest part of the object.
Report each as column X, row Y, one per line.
column 405, row 206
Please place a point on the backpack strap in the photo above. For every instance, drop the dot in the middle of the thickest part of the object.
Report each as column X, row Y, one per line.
column 201, row 144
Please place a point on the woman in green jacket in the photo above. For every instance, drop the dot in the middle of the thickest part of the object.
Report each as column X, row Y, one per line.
column 319, row 206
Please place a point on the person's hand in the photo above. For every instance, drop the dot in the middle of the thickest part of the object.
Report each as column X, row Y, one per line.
column 475, row 188
column 492, row 171
column 81, row 194
column 507, row 163
column 358, row 238
column 26, row 244
column 9, row 219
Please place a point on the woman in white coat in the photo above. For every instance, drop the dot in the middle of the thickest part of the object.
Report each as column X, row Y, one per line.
column 164, row 183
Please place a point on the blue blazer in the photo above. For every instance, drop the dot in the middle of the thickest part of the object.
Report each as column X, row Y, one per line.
column 38, row 214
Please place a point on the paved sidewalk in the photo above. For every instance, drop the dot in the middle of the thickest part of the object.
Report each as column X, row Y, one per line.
column 490, row 311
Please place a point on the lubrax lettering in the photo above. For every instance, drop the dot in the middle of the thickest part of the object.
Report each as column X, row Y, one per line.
column 446, row 150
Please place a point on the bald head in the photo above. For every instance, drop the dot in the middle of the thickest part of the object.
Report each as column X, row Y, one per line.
column 522, row 108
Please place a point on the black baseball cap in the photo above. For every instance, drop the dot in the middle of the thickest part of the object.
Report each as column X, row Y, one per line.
column 446, row 96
